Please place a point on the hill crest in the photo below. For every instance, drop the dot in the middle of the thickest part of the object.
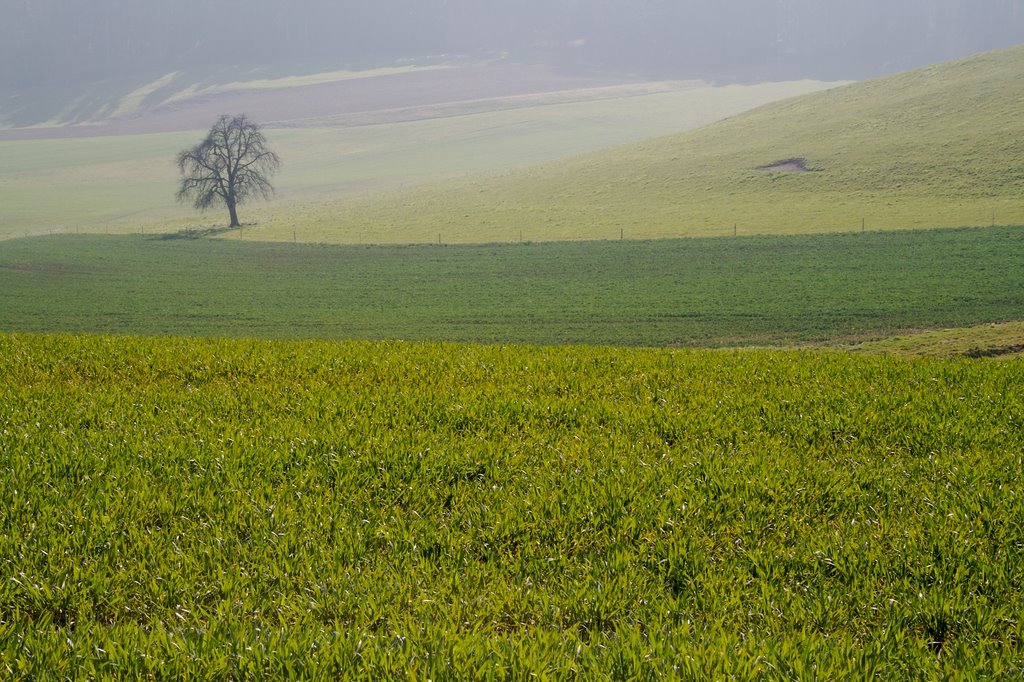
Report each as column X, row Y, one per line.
column 934, row 147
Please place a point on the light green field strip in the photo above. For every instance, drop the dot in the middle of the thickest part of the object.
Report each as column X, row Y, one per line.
column 133, row 101
column 937, row 147
column 989, row 340
column 104, row 101
column 121, row 184
column 295, row 81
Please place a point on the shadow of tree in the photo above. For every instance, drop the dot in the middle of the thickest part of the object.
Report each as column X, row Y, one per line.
column 197, row 233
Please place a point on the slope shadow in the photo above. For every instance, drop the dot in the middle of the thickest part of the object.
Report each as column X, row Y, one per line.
column 196, row 233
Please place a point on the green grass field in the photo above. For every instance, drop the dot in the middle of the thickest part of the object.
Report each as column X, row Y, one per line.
column 120, row 184
column 236, row 509
column 693, row 292
column 936, row 147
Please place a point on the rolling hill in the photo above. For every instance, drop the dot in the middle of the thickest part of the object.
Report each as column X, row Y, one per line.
column 343, row 138
column 935, row 147
column 180, row 101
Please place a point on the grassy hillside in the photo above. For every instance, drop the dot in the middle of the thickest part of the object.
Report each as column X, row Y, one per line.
column 197, row 509
column 119, row 183
column 983, row 341
column 722, row 291
column 941, row 146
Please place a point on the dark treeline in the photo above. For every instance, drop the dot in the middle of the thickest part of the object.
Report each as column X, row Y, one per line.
column 71, row 41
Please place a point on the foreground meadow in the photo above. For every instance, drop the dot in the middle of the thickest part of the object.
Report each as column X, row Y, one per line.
column 208, row 508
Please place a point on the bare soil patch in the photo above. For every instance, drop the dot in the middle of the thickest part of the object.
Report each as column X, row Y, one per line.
column 427, row 92
column 1001, row 351
column 794, row 165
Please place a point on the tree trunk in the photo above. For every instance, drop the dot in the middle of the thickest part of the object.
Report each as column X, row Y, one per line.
column 233, row 212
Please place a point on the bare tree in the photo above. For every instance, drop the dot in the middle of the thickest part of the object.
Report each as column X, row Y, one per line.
column 232, row 164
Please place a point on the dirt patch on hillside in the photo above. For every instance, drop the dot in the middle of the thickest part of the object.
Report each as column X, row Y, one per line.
column 1001, row 351
column 357, row 99
column 794, row 165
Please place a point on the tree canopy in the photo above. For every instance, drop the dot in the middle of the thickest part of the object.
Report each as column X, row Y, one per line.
column 232, row 164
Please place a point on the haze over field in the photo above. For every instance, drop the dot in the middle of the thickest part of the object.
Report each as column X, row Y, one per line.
column 64, row 40
column 63, row 57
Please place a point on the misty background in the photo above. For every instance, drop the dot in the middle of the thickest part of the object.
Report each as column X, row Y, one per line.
column 67, row 43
